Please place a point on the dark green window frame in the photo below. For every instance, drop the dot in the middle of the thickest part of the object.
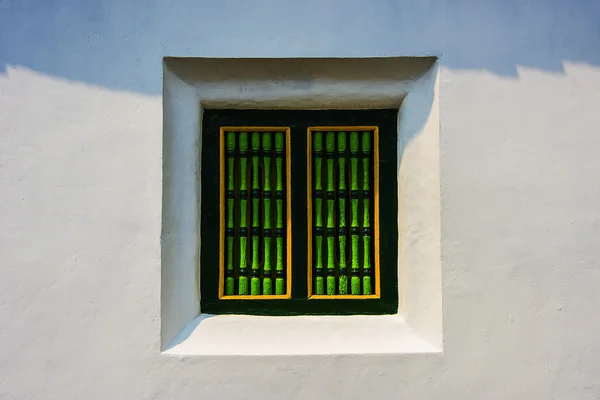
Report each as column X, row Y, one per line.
column 299, row 122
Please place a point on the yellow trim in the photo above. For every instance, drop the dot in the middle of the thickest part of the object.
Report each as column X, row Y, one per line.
column 256, row 129
column 375, row 131
column 221, row 213
column 343, row 296
column 343, row 128
column 288, row 188
column 288, row 179
column 256, row 297
column 376, row 208
column 309, row 208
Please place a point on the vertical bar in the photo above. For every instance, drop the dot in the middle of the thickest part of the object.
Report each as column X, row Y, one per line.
column 230, row 223
column 330, row 233
column 366, row 150
column 355, row 280
column 256, row 195
column 318, row 153
column 267, row 280
column 288, row 211
column 243, row 231
column 343, row 280
column 280, row 196
column 375, row 204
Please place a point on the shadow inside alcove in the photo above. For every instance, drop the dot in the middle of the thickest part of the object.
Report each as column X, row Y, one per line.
column 187, row 331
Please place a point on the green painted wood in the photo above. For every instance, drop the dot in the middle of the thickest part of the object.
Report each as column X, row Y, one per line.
column 330, row 148
column 318, row 210
column 299, row 121
column 280, row 195
column 256, row 194
column 355, row 280
column 230, row 223
column 267, row 277
column 243, row 224
column 366, row 150
column 342, row 198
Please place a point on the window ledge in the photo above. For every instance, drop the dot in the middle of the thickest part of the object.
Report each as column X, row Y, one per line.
column 244, row 335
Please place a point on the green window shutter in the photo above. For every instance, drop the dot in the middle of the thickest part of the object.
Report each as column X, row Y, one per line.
column 361, row 249
column 247, row 181
column 294, row 196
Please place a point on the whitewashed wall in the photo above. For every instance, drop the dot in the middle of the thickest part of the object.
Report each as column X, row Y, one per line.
column 81, row 196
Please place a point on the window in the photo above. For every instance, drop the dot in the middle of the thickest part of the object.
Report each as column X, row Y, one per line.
column 299, row 212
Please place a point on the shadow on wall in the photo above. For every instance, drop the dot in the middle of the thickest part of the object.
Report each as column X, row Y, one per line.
column 120, row 44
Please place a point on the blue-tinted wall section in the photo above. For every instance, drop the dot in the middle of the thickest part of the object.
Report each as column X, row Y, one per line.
column 119, row 44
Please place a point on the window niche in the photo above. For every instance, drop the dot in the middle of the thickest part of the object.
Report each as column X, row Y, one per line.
column 192, row 87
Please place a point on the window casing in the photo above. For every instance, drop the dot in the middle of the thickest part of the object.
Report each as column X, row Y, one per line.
column 359, row 145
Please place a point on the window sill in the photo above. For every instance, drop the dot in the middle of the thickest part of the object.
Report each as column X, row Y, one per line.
column 242, row 335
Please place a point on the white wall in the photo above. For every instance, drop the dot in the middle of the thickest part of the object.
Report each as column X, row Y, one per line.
column 81, row 195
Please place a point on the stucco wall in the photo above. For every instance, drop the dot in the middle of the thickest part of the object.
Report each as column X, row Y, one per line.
column 81, row 196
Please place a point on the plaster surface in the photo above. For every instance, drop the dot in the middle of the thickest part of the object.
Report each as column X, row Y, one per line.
column 81, row 194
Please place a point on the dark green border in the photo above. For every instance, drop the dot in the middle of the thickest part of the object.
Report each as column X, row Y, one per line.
column 299, row 121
